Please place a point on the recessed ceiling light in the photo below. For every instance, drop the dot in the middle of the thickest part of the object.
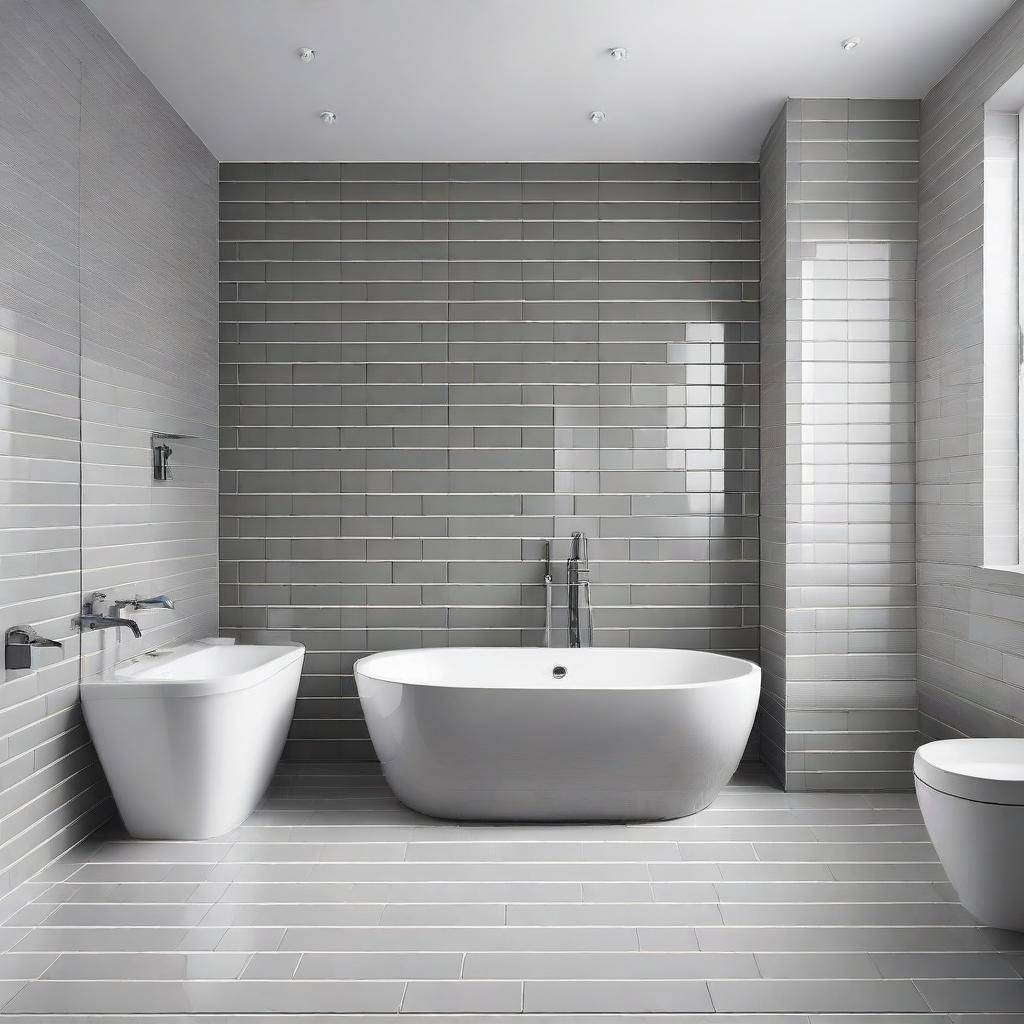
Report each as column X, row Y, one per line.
column 597, row 116
column 850, row 44
column 328, row 116
column 306, row 54
column 618, row 53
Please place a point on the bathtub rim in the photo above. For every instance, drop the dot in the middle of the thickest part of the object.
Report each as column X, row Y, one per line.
column 746, row 670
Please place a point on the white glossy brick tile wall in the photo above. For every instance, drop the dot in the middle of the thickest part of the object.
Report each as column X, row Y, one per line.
column 108, row 234
column 839, row 570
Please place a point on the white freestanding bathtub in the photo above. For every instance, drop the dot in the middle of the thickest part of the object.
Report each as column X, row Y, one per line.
column 537, row 734
column 189, row 736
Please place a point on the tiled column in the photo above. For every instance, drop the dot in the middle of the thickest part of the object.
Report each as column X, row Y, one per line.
column 838, row 444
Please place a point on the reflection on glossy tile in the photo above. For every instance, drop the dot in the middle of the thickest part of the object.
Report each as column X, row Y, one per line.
column 838, row 570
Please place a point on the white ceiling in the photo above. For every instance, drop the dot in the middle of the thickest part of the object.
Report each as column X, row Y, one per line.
column 446, row 80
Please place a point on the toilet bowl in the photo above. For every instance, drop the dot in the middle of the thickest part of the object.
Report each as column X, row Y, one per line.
column 971, row 793
column 189, row 736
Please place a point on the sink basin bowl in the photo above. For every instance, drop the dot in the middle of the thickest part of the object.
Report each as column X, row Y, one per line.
column 189, row 736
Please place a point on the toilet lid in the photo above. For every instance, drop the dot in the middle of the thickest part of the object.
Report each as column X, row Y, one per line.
column 987, row 770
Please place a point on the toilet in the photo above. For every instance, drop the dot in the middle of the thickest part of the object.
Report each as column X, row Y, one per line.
column 971, row 793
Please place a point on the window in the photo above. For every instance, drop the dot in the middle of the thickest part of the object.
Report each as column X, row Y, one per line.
column 1001, row 419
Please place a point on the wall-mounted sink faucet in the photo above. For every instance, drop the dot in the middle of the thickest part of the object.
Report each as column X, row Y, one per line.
column 91, row 619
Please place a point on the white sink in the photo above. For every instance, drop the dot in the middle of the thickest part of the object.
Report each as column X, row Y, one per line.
column 190, row 736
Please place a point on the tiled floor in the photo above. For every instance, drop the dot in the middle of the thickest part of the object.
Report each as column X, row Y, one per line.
column 334, row 899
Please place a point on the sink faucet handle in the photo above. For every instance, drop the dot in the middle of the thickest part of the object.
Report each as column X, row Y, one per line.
column 90, row 606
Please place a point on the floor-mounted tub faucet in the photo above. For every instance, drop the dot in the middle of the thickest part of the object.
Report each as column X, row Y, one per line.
column 547, row 593
column 578, row 575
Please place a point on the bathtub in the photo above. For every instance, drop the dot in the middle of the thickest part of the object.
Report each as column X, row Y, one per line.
column 532, row 734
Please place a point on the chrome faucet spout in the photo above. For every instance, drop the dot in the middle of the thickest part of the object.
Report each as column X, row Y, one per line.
column 91, row 622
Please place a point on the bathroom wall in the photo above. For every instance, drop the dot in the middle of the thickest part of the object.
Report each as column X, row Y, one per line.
column 838, row 569
column 429, row 370
column 774, row 475
column 149, row 358
column 100, row 182
column 970, row 620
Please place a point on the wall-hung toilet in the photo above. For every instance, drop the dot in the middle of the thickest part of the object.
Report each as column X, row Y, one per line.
column 971, row 793
column 189, row 737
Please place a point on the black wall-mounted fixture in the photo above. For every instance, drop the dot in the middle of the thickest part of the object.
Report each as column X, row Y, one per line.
column 162, row 452
column 19, row 644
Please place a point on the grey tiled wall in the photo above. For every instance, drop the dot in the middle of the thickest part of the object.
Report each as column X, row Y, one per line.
column 838, row 360
column 52, row 789
column 88, row 152
column 149, row 357
column 428, row 370
column 971, row 622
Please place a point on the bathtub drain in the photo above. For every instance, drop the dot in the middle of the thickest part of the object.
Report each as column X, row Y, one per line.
column 558, row 671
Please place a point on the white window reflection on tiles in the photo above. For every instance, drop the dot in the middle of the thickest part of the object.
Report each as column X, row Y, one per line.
column 1001, row 545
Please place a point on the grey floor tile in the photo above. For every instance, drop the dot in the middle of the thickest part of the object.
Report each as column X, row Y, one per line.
column 399, row 965
column 146, row 966
column 817, row 965
column 848, row 851
column 886, row 872
column 158, row 997
column 944, row 965
column 253, row 940
column 757, row 871
column 894, row 915
column 9, row 989
column 719, row 853
column 460, row 939
column 974, row 995
column 616, row 996
column 440, row 914
column 816, row 996
column 113, row 915
column 459, row 997
column 269, row 966
column 826, row 892
column 1007, row 942
column 291, row 915
column 633, row 914
column 834, row 939
column 693, row 965
column 97, row 940
column 24, row 965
